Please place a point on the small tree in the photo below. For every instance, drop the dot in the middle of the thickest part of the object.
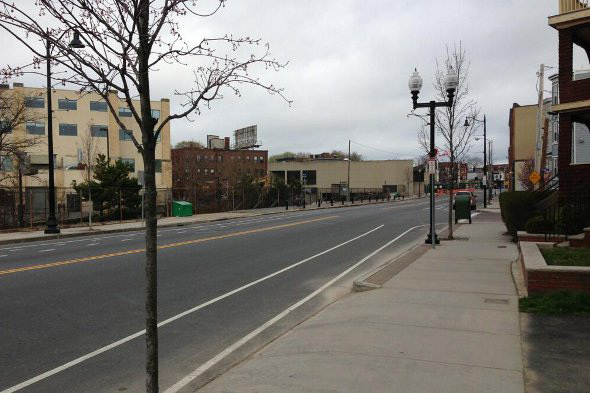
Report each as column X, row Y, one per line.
column 126, row 42
column 528, row 167
column 190, row 143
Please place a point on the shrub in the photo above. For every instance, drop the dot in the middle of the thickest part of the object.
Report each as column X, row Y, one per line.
column 538, row 224
column 517, row 207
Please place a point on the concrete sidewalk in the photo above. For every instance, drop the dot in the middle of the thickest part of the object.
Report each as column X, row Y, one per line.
column 446, row 323
column 21, row 236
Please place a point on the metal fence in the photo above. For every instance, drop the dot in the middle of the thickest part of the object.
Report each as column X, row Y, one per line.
column 565, row 214
column 118, row 204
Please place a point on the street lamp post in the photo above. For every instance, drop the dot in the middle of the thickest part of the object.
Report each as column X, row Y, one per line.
column 51, row 220
column 485, row 166
column 415, row 84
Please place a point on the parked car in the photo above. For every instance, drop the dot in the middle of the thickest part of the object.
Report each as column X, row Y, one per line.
column 472, row 198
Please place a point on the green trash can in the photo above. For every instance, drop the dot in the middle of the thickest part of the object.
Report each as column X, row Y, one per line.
column 182, row 209
column 462, row 208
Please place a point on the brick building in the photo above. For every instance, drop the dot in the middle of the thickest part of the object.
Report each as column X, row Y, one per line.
column 444, row 172
column 207, row 168
column 573, row 26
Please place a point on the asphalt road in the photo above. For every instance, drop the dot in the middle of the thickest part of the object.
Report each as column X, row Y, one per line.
column 72, row 311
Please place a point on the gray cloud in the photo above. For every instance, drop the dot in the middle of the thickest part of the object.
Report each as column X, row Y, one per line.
column 349, row 62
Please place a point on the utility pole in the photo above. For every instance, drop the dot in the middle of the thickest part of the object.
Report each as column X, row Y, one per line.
column 348, row 181
column 540, row 115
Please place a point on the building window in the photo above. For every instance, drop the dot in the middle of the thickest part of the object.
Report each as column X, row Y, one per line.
column 256, row 159
column 35, row 102
column 555, row 93
column 99, row 131
column 206, row 171
column 261, row 159
column 34, row 128
column 156, row 114
column 98, row 106
column 125, row 112
column 198, row 170
column 68, row 129
column 6, row 164
column 158, row 166
column 198, row 157
column 5, row 127
column 68, row 105
column 555, row 121
column 247, row 158
column 130, row 162
column 310, row 177
column 125, row 135
column 212, row 171
column 219, row 158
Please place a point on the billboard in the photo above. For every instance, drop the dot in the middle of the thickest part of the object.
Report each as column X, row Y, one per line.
column 246, row 138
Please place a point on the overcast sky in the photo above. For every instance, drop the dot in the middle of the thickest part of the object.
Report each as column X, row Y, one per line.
column 349, row 64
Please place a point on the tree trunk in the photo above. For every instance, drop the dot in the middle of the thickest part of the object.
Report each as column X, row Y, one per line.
column 151, row 271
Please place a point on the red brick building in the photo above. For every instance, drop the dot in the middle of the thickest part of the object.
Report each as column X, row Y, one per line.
column 573, row 26
column 207, row 168
column 444, row 172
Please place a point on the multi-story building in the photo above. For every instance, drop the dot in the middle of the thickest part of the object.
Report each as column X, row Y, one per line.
column 573, row 107
column 444, row 172
column 210, row 168
column 77, row 118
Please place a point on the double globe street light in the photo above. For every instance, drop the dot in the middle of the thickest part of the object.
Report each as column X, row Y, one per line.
column 415, row 84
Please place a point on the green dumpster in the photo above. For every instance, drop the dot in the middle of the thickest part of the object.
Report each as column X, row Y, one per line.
column 182, row 209
column 462, row 208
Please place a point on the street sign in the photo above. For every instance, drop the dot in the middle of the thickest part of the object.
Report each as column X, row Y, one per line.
column 431, row 166
column 534, row 177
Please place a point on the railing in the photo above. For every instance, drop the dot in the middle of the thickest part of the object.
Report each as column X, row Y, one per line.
column 118, row 204
column 567, row 215
column 551, row 184
column 573, row 5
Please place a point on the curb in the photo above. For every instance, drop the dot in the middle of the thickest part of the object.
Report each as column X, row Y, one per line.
column 106, row 231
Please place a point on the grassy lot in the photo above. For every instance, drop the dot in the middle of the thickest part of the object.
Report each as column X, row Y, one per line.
column 566, row 256
column 562, row 302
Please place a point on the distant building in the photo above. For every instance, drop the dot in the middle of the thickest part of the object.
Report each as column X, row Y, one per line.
column 75, row 117
column 210, row 168
column 444, row 172
column 323, row 174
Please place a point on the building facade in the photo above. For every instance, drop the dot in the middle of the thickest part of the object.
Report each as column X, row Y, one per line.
column 573, row 108
column 523, row 130
column 324, row 174
column 210, row 168
column 78, row 119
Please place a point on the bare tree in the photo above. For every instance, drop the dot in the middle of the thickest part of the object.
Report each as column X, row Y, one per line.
column 474, row 161
column 90, row 149
column 528, row 167
column 191, row 143
column 455, row 139
column 126, row 42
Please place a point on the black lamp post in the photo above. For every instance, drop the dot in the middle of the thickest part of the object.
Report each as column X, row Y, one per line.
column 485, row 166
column 51, row 220
column 415, row 84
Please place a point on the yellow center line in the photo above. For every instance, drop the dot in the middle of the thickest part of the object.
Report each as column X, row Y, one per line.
column 170, row 245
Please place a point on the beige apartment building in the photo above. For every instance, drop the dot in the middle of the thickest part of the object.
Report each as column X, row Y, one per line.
column 77, row 117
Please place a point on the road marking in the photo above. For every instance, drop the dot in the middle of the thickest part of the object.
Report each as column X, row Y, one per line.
column 214, row 360
column 180, row 231
column 15, row 249
column 126, row 240
column 92, row 244
column 164, row 246
column 49, row 249
column 182, row 314
column 2, row 256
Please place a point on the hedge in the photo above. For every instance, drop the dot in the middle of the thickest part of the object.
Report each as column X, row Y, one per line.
column 538, row 224
column 517, row 207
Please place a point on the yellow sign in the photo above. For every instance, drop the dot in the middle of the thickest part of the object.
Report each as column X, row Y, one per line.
column 534, row 177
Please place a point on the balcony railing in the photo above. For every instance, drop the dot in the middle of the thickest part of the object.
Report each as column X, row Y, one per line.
column 573, row 5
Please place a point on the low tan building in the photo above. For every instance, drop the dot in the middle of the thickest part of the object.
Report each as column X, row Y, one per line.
column 76, row 117
column 394, row 175
column 523, row 134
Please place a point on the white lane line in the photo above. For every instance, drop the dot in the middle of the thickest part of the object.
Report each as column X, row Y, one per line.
column 174, row 318
column 211, row 362
column 2, row 256
column 47, row 250
column 126, row 240
column 15, row 249
column 92, row 244
column 181, row 232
